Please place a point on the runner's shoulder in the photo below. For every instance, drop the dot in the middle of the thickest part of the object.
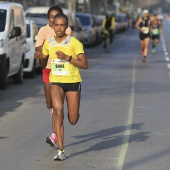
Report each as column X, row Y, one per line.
column 74, row 41
column 48, row 40
column 43, row 28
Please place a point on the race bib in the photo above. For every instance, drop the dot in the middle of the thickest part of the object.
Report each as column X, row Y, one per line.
column 155, row 32
column 145, row 30
column 60, row 67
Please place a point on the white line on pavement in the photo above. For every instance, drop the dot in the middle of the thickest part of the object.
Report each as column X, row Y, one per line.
column 168, row 65
column 167, row 58
column 127, row 133
column 166, row 53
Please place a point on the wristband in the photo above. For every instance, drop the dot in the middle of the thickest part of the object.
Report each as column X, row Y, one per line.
column 70, row 59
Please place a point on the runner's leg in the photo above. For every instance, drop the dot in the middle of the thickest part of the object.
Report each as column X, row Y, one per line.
column 157, row 41
column 153, row 45
column 48, row 95
column 73, row 104
column 146, row 46
column 142, row 45
column 57, row 96
column 52, row 138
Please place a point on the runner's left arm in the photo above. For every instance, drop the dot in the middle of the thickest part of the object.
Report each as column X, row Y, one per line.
column 80, row 62
column 151, row 25
column 162, row 28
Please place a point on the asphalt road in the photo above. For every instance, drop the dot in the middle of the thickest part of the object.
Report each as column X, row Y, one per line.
column 124, row 114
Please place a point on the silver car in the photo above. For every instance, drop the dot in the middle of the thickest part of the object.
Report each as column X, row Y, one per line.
column 78, row 31
column 90, row 28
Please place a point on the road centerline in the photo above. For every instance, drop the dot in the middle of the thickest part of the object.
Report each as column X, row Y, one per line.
column 127, row 133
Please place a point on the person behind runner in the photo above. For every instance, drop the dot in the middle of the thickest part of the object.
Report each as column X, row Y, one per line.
column 134, row 19
column 143, row 25
column 109, row 24
column 44, row 33
column 156, row 28
column 67, row 55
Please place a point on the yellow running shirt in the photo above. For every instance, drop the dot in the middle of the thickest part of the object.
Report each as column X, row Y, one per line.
column 62, row 71
column 44, row 33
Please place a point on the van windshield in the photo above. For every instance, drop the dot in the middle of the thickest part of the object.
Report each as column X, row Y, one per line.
column 2, row 19
column 36, row 15
column 85, row 20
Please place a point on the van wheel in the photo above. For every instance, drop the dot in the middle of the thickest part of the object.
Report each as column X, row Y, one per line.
column 3, row 80
column 18, row 78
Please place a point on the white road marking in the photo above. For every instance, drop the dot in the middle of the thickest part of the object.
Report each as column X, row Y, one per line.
column 168, row 65
column 121, row 159
column 166, row 53
column 167, row 58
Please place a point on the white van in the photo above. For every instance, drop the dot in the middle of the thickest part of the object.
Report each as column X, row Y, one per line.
column 12, row 42
column 30, row 64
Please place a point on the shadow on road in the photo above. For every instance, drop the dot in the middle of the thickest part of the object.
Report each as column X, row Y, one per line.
column 109, row 139
column 16, row 95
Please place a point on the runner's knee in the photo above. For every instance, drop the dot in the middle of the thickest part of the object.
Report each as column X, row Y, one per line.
column 49, row 104
column 73, row 120
column 57, row 111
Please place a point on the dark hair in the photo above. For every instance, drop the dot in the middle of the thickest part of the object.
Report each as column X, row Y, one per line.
column 57, row 8
column 61, row 16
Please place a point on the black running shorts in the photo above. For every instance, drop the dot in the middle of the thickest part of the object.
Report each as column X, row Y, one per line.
column 155, row 37
column 68, row 86
column 142, row 36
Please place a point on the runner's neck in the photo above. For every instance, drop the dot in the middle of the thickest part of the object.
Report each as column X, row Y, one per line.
column 60, row 39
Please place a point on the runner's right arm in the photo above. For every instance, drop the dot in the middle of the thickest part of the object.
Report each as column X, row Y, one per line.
column 38, row 49
column 138, row 23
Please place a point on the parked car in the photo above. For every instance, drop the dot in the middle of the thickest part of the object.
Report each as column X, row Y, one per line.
column 12, row 42
column 78, row 31
column 119, row 22
column 117, row 26
column 30, row 64
column 71, row 18
column 123, row 21
column 99, row 29
column 90, row 29
column 101, row 18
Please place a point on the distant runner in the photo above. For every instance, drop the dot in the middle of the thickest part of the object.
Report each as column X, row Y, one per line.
column 156, row 29
column 143, row 25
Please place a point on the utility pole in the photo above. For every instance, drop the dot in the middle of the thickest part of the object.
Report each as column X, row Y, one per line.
column 71, row 5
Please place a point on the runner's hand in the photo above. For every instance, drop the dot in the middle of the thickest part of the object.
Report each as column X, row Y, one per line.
column 37, row 55
column 62, row 56
column 142, row 30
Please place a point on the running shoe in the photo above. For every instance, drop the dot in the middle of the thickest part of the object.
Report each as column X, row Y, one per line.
column 144, row 59
column 51, row 140
column 60, row 156
column 153, row 50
